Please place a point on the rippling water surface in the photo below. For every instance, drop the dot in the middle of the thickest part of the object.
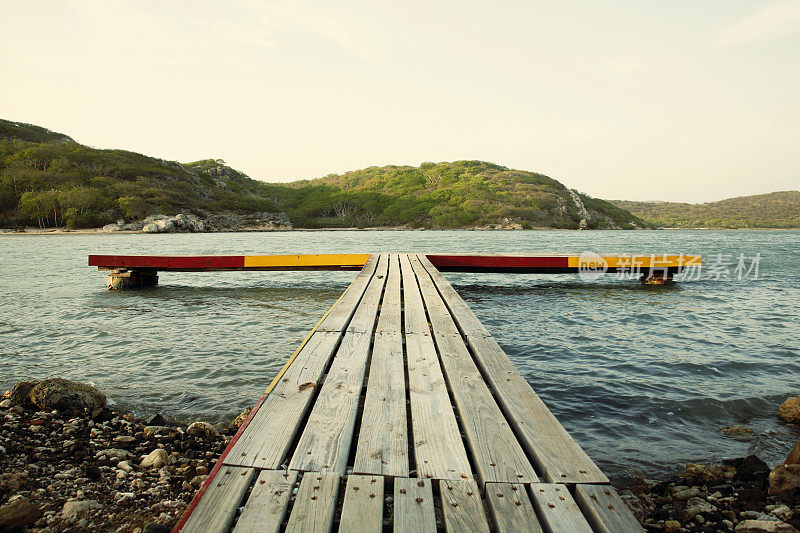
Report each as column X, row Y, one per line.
column 643, row 377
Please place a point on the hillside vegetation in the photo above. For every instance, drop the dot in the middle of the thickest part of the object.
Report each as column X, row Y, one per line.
column 774, row 210
column 47, row 179
column 445, row 195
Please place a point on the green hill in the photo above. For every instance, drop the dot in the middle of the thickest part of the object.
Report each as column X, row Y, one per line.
column 47, row 179
column 446, row 195
column 774, row 210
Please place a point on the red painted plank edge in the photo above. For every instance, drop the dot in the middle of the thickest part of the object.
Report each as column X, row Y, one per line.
column 512, row 262
column 167, row 262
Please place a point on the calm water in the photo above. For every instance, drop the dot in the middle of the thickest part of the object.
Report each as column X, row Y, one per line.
column 643, row 377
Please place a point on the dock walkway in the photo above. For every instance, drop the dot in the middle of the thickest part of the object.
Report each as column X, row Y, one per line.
column 400, row 411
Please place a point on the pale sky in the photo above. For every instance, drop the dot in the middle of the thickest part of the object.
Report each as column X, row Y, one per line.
column 684, row 100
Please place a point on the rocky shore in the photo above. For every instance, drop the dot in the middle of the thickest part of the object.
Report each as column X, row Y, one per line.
column 69, row 463
column 217, row 222
column 742, row 495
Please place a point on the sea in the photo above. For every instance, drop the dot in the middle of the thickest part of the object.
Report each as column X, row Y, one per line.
column 644, row 377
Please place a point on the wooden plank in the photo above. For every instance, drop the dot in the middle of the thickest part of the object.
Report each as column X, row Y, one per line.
column 555, row 453
column 315, row 503
column 462, row 506
column 416, row 322
column 464, row 317
column 605, row 510
column 391, row 310
column 325, row 442
column 265, row 509
column 383, row 439
column 557, row 509
column 217, row 510
column 363, row 320
column 363, row 504
column 438, row 447
column 511, row 508
column 266, row 440
column 339, row 317
column 496, row 453
column 413, row 506
column 438, row 314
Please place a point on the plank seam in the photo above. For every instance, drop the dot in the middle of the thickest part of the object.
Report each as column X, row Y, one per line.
column 462, row 431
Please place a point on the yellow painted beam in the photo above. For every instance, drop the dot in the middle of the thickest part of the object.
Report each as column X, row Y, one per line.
column 306, row 261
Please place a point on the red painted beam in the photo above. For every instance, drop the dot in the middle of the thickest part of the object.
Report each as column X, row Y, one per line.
column 499, row 263
column 164, row 262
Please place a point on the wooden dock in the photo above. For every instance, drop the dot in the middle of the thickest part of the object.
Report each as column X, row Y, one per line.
column 399, row 411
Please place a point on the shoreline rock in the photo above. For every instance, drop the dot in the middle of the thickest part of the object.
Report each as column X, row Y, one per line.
column 80, row 468
column 210, row 223
column 735, row 495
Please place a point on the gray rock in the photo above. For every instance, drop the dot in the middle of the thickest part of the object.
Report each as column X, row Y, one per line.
column 685, row 494
column 703, row 474
column 201, row 428
column 65, row 395
column 5, row 404
column 18, row 513
column 77, row 507
column 149, row 431
column 117, row 454
column 21, row 393
column 784, row 479
column 155, row 459
column 694, row 507
column 764, row 526
column 179, row 223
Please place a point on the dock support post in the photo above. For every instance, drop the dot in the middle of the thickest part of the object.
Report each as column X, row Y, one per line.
column 657, row 277
column 123, row 278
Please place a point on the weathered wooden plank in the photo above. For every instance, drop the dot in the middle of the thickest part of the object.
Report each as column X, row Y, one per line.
column 266, row 440
column 265, row 509
column 416, row 322
column 511, row 508
column 363, row 504
column 557, row 508
column 325, row 442
column 605, row 510
column 462, row 506
column 438, row 447
column 413, row 506
column 339, row 317
column 496, row 453
column 462, row 314
column 383, row 439
column 438, row 314
column 217, row 509
column 389, row 319
column 363, row 320
column 555, row 453
column 315, row 503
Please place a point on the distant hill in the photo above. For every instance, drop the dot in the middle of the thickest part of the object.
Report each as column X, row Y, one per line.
column 47, row 179
column 774, row 210
column 461, row 194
